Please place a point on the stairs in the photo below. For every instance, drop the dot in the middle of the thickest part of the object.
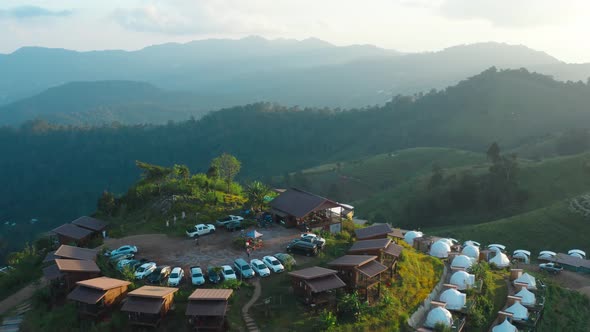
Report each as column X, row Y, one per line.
column 12, row 322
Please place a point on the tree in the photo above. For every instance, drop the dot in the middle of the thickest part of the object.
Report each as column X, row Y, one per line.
column 256, row 192
column 494, row 153
column 106, row 203
column 181, row 172
column 228, row 167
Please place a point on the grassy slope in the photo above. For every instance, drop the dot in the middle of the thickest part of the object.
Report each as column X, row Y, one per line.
column 565, row 310
column 552, row 228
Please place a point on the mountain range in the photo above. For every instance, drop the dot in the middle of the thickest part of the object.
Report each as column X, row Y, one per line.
column 210, row 74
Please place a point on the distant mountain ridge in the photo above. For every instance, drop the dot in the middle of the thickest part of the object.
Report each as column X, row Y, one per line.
column 306, row 73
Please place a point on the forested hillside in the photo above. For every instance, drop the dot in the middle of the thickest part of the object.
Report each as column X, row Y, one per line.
column 56, row 173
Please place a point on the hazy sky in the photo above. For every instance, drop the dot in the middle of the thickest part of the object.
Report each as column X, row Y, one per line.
column 560, row 28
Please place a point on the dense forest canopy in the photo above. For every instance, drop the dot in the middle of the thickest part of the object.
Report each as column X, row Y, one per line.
column 56, row 173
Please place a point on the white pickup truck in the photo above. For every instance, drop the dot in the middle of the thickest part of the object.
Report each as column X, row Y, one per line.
column 200, row 229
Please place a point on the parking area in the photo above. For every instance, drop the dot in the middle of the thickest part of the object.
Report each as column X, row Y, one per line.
column 213, row 249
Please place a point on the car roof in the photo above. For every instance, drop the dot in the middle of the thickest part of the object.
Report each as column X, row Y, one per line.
column 269, row 257
column 177, row 269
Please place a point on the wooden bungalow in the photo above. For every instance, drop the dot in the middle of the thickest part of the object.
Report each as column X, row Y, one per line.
column 147, row 305
column 379, row 231
column 386, row 251
column 207, row 309
column 94, row 297
column 90, row 223
column 396, row 234
column 316, row 285
column 298, row 208
column 73, row 270
column 361, row 273
column 72, row 234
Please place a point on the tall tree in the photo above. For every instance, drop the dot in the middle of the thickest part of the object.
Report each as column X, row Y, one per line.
column 257, row 192
column 228, row 167
column 153, row 173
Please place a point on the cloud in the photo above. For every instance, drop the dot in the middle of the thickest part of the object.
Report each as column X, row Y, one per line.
column 28, row 12
column 510, row 13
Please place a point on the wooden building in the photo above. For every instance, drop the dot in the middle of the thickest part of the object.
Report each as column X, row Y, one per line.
column 147, row 305
column 361, row 273
column 386, row 251
column 207, row 309
column 94, row 297
column 379, row 231
column 298, row 208
column 316, row 285
column 72, row 234
column 396, row 234
column 66, row 272
column 93, row 224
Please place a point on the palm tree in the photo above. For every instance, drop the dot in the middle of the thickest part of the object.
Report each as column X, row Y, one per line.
column 257, row 192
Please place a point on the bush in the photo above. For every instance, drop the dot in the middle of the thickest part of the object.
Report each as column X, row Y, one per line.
column 344, row 235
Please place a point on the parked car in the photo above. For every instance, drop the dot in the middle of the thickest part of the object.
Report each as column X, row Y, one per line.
column 227, row 273
column 116, row 258
column 243, row 269
column 128, row 249
column 302, row 248
column 176, row 276
column 285, row 259
column 273, row 264
column 259, row 267
column 197, row 277
column 551, row 267
column 200, row 229
column 234, row 225
column 228, row 219
column 213, row 275
column 132, row 264
column 144, row 270
column 313, row 238
column 159, row 275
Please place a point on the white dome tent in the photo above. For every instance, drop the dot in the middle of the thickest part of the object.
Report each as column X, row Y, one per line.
column 411, row 235
column 523, row 255
column 518, row 311
column 462, row 280
column 500, row 259
column 546, row 254
column 506, row 326
column 577, row 253
column 471, row 251
column 440, row 249
column 439, row 315
column 454, row 299
column 527, row 297
column 471, row 243
column 527, row 279
column 462, row 261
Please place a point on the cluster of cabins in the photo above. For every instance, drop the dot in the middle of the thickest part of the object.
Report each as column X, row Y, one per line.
column 370, row 261
column 80, row 231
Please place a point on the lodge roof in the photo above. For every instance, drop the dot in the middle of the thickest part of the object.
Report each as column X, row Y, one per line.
column 72, row 231
column 312, row 272
column 90, row 223
column 394, row 249
column 372, row 268
column 74, row 265
column 152, row 292
column 103, row 283
column 71, row 252
column 206, row 308
column 375, row 244
column 299, row 203
column 325, row 283
column 86, row 295
column 211, row 294
column 371, row 231
column 352, row 260
column 148, row 305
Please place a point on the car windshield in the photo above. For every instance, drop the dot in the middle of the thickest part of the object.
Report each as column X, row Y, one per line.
column 246, row 267
column 276, row 263
column 141, row 269
column 226, row 219
column 197, row 275
column 174, row 275
column 260, row 266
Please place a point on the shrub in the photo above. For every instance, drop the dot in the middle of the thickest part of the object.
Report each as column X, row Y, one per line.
column 344, row 235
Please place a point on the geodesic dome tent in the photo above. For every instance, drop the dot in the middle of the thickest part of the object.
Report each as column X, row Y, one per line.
column 527, row 297
column 462, row 261
column 528, row 279
column 462, row 280
column 500, row 259
column 439, row 315
column 411, row 235
column 440, row 249
column 471, row 251
column 506, row 326
column 518, row 311
column 454, row 299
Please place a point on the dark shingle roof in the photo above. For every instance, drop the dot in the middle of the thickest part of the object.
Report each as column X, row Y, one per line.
column 325, row 283
column 570, row 260
column 71, row 252
column 299, row 203
column 143, row 304
column 372, row 269
column 90, row 223
column 74, row 265
column 72, row 231
column 394, row 249
column 352, row 260
column 312, row 272
column 206, row 308
column 371, row 231
column 397, row 233
column 375, row 244
column 86, row 295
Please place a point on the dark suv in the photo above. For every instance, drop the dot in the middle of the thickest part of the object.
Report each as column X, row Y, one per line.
column 302, row 248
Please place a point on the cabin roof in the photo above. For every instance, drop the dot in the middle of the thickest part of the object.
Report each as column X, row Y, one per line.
column 72, row 231
column 71, row 252
column 312, row 272
column 90, row 223
column 352, row 260
column 371, row 231
column 211, row 294
column 299, row 203
column 103, row 283
column 74, row 265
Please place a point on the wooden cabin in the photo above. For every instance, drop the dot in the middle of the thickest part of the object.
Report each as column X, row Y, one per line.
column 73, row 270
column 207, row 309
column 148, row 305
column 379, row 231
column 361, row 273
column 93, row 224
column 298, row 208
column 397, row 234
column 72, row 234
column 386, row 251
column 94, row 297
column 316, row 285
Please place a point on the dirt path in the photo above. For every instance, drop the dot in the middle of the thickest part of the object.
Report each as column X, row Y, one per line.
column 568, row 279
column 21, row 296
column 250, row 323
